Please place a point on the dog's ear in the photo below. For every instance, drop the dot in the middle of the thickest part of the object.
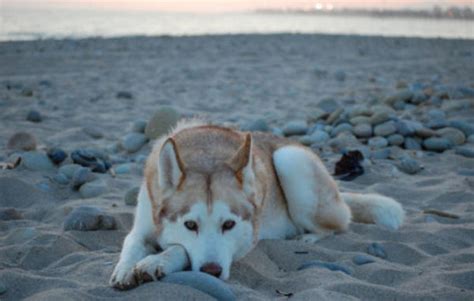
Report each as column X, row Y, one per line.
column 242, row 162
column 170, row 166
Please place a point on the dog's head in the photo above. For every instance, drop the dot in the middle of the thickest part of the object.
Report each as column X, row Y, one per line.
column 212, row 215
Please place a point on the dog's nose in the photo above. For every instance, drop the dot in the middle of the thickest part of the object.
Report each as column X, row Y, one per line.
column 212, row 268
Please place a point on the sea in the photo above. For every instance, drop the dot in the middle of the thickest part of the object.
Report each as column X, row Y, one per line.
column 32, row 24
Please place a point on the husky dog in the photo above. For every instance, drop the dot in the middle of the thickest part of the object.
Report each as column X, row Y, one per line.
column 211, row 193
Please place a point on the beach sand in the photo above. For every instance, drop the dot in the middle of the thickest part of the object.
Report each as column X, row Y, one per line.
column 75, row 85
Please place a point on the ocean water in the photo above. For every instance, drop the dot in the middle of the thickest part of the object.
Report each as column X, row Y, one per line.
column 30, row 24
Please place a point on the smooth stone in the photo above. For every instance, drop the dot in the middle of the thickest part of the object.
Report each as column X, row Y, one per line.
column 93, row 159
column 385, row 129
column 93, row 132
column 379, row 118
column 328, row 105
column 437, row 144
column 362, row 259
column 3, row 288
column 408, row 127
column 123, row 168
column 466, row 128
column 296, row 127
column 162, row 121
column 278, row 132
column 57, row 155
column 378, row 142
column 359, row 120
column 92, row 189
column 124, row 95
column 401, row 96
column 34, row 116
column 132, row 142
column 37, row 161
column 8, row 214
column 454, row 135
column 334, row 115
column 316, row 114
column 81, row 175
column 359, row 110
column 466, row 151
column 259, row 125
column 61, row 178
column 377, row 250
column 409, row 166
column 395, row 139
column 436, row 114
column 22, row 141
column 425, row 132
column 470, row 139
column 131, row 196
column 203, row 282
column 340, row 75
column 380, row 154
column 412, row 143
column 326, row 265
column 87, row 218
column 363, row 130
column 69, row 169
column 343, row 127
column 139, row 126
column 317, row 137
column 437, row 123
column 418, row 97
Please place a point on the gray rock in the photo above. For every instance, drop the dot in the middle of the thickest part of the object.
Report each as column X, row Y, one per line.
column 436, row 114
column 34, row 116
column 92, row 189
column 412, row 143
column 317, row 137
column 402, row 95
column 437, row 144
column 343, row 127
column 93, row 132
column 259, row 125
column 454, row 135
column 328, row 105
column 377, row 250
column 359, row 110
column 139, row 126
column 22, row 141
column 408, row 127
column 332, row 266
column 278, row 132
column 425, row 132
column 418, row 97
column 61, row 178
column 295, row 127
column 131, row 196
column 344, row 141
column 395, row 139
column 203, row 282
column 316, row 114
column 360, row 120
column 132, row 142
column 340, row 75
column 88, row 218
column 466, row 128
column 378, row 142
column 161, row 122
column 81, row 175
column 37, row 161
column 362, row 259
column 334, row 116
column 69, row 169
column 123, row 168
column 437, row 123
column 379, row 118
column 380, row 154
column 466, row 151
column 409, row 166
column 363, row 130
column 385, row 129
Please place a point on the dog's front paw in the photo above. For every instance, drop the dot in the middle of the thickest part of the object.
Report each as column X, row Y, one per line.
column 123, row 277
column 151, row 268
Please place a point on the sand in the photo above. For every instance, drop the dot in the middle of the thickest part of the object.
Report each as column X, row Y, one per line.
column 229, row 80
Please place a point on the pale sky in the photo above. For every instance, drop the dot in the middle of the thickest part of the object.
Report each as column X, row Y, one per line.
column 231, row 5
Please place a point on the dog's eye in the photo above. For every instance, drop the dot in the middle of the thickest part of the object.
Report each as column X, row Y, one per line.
column 227, row 225
column 191, row 225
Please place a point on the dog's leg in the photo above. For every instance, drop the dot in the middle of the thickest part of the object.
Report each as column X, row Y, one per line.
column 314, row 202
column 135, row 246
column 155, row 266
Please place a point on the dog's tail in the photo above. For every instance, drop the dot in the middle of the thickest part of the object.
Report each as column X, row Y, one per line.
column 375, row 209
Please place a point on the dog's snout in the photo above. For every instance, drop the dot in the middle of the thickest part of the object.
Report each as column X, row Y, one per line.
column 212, row 268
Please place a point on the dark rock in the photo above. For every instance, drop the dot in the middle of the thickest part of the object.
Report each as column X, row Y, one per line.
column 34, row 116
column 362, row 259
column 340, row 75
column 81, row 176
column 377, row 250
column 139, row 126
column 131, row 196
column 92, row 159
column 328, row 105
column 88, row 218
column 437, row 144
column 402, row 95
column 7, row 214
column 325, row 265
column 57, row 155
column 68, row 169
column 22, row 141
column 349, row 167
column 124, row 95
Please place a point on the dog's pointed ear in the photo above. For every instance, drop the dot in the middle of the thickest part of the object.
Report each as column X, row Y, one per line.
column 170, row 166
column 242, row 162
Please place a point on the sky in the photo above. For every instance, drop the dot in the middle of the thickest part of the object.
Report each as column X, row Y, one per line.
column 231, row 5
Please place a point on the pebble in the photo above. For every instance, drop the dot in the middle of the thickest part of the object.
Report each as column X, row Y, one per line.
column 343, row 127
column 203, row 282
column 161, row 122
column 359, row 110
column 34, row 116
column 95, row 160
column 363, row 130
column 57, row 155
column 316, row 114
column 123, row 168
column 359, row 120
column 61, row 178
column 124, row 95
column 131, row 196
column 454, row 135
column 407, row 127
column 259, row 125
column 326, row 265
column 3, row 288
column 466, row 128
column 132, row 142
column 379, row 118
column 395, row 139
column 139, row 126
column 437, row 144
column 385, row 129
column 334, row 115
column 380, row 154
column 68, row 169
column 362, row 259
column 409, row 166
column 93, row 132
column 418, row 97
column 466, row 151
column 295, row 127
column 22, row 141
column 401, row 96
column 436, row 114
column 87, row 218
column 92, row 189
column 377, row 250
column 7, row 214
column 328, row 105
column 317, row 137
column 81, row 175
column 378, row 142
column 412, row 143
column 425, row 132
column 37, row 161
column 340, row 75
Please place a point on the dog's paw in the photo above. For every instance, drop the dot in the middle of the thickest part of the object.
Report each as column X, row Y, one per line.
column 151, row 268
column 123, row 277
